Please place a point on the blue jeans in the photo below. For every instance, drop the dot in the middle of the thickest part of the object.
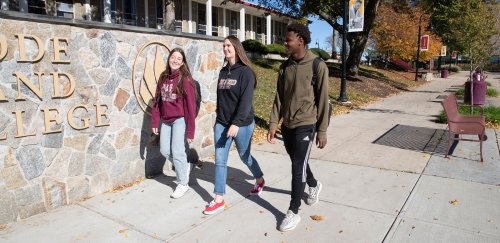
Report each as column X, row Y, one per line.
column 173, row 147
column 223, row 145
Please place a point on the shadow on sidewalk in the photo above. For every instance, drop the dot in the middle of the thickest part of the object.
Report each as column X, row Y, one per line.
column 236, row 180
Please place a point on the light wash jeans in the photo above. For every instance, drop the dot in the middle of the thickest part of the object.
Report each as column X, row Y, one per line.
column 222, row 147
column 173, row 147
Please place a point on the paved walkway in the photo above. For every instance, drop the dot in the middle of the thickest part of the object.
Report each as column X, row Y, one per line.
column 385, row 180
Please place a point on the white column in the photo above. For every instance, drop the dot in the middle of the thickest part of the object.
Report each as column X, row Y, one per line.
column 23, row 6
column 88, row 12
column 190, row 16
column 107, row 11
column 224, row 24
column 5, row 5
column 209, row 17
column 242, row 24
column 268, row 29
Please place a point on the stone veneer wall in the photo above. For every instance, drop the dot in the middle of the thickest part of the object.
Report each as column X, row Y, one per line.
column 45, row 171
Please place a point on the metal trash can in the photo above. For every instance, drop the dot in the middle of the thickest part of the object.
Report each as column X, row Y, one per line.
column 444, row 73
column 478, row 92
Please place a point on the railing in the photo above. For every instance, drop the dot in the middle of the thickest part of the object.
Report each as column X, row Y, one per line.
column 202, row 29
column 233, row 32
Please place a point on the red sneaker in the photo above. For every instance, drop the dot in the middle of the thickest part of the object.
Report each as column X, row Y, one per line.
column 214, row 207
column 257, row 189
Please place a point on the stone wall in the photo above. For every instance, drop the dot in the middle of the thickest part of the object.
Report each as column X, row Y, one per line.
column 74, row 108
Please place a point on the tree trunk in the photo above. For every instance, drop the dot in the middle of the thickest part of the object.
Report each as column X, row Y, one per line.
column 334, row 44
column 169, row 15
column 357, row 43
column 357, row 40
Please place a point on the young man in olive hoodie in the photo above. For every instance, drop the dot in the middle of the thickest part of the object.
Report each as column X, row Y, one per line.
column 303, row 107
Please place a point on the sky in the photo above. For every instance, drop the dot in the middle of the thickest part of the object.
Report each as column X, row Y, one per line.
column 320, row 30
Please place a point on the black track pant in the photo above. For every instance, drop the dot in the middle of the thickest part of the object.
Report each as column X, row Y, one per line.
column 298, row 143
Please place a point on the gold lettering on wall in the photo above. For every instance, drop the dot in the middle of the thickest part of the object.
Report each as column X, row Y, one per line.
column 3, row 47
column 99, row 114
column 72, row 122
column 58, row 50
column 2, row 96
column 27, row 82
column 22, row 48
column 20, row 125
column 3, row 136
column 69, row 90
column 54, row 118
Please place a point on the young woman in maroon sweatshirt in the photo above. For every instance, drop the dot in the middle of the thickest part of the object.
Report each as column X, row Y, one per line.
column 174, row 113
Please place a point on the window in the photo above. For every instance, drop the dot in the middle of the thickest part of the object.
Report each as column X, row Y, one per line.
column 202, row 19
column 129, row 12
column 215, row 21
column 233, row 24
column 65, row 9
column 36, row 6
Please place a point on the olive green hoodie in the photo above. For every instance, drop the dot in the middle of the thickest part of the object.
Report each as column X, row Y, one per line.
column 295, row 98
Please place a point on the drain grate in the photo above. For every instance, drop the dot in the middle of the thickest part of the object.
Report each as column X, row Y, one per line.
column 411, row 138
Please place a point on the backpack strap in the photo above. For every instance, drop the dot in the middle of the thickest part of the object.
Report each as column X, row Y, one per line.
column 314, row 79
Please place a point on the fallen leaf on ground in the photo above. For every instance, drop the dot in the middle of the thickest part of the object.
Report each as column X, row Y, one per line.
column 3, row 226
column 454, row 202
column 340, row 231
column 80, row 237
column 123, row 232
column 317, row 217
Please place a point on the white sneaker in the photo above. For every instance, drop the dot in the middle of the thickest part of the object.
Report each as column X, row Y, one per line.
column 290, row 222
column 313, row 196
column 180, row 190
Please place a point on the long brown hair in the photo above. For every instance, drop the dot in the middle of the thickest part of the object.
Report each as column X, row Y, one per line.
column 240, row 54
column 184, row 72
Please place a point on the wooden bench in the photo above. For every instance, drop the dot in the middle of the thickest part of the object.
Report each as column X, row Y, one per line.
column 463, row 125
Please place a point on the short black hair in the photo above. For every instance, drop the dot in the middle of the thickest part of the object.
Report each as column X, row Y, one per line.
column 301, row 30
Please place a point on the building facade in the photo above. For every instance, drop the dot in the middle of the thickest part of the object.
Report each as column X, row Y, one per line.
column 207, row 17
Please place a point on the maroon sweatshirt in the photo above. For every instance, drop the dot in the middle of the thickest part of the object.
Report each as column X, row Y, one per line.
column 171, row 105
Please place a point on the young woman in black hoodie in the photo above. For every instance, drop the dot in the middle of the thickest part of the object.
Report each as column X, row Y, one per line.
column 235, row 119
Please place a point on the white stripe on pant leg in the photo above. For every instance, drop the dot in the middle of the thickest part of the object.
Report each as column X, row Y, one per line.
column 306, row 160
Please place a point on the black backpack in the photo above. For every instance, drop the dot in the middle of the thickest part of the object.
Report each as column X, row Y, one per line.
column 197, row 92
column 314, row 80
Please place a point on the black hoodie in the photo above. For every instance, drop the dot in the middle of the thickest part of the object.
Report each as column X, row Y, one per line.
column 235, row 95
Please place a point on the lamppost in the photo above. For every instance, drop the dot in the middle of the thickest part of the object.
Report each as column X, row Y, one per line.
column 418, row 48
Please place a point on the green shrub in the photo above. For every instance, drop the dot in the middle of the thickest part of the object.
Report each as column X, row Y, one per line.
column 276, row 49
column 454, row 68
column 254, row 46
column 321, row 53
column 491, row 92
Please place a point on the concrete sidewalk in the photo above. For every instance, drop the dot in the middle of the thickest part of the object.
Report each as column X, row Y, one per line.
column 385, row 180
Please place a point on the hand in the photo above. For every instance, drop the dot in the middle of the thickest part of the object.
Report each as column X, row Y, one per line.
column 320, row 142
column 233, row 131
column 270, row 136
column 155, row 130
column 189, row 140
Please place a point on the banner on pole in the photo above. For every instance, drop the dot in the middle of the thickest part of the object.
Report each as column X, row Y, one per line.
column 443, row 51
column 424, row 42
column 356, row 15
column 454, row 55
